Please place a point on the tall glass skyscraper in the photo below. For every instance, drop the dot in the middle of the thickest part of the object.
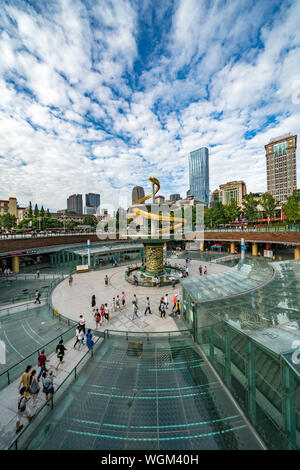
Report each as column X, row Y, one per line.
column 92, row 203
column 199, row 174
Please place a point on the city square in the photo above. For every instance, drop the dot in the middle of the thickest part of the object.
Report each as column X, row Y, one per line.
column 149, row 228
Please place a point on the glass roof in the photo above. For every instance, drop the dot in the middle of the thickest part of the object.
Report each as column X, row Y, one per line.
column 104, row 249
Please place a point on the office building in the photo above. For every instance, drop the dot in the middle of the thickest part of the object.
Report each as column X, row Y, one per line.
column 137, row 193
column 281, row 167
column 74, row 203
column 199, row 175
column 235, row 190
column 92, row 203
column 175, row 197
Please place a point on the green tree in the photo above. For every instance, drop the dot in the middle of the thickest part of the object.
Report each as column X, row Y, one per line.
column 42, row 212
column 36, row 211
column 90, row 220
column 48, row 213
column 291, row 208
column 232, row 211
column 30, row 214
column 9, row 221
column 269, row 204
column 214, row 216
column 250, row 207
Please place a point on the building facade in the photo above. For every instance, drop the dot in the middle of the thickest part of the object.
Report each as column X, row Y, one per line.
column 92, row 203
column 235, row 190
column 175, row 197
column 9, row 206
column 199, row 174
column 74, row 203
column 281, row 167
column 137, row 193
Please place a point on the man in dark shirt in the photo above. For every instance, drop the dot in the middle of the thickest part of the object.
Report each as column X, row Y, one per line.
column 60, row 351
column 42, row 363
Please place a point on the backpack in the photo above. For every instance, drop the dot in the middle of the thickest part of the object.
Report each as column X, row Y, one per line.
column 23, row 408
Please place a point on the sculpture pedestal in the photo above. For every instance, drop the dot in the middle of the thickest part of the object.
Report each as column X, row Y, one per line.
column 154, row 258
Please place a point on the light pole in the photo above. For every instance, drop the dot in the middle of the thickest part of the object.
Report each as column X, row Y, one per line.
column 89, row 253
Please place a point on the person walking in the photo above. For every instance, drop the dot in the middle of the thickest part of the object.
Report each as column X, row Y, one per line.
column 80, row 338
column 135, row 300
column 177, row 308
column 82, row 322
column 147, row 306
column 25, row 381
column 89, row 339
column 106, row 312
column 174, row 302
column 187, row 271
column 37, row 296
column 60, row 351
column 113, row 305
column 97, row 317
column 166, row 301
column 77, row 334
column 48, row 388
column 118, row 302
column 38, row 274
column 34, row 388
column 205, row 270
column 200, row 270
column 70, row 280
column 102, row 312
column 106, row 280
column 42, row 359
column 93, row 303
column 123, row 299
column 135, row 310
column 22, row 411
column 162, row 309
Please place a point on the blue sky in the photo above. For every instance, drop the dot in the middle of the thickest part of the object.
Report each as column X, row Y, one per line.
column 95, row 96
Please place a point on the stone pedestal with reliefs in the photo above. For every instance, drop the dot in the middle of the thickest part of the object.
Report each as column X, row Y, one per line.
column 154, row 258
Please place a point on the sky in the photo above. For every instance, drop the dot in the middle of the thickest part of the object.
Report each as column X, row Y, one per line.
column 96, row 96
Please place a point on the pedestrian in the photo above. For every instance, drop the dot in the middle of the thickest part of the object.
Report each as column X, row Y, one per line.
column 106, row 312
column 47, row 380
column 135, row 300
column 177, row 308
column 22, row 411
column 200, row 270
column 166, row 301
column 34, row 387
column 102, row 312
column 38, row 273
column 147, row 306
column 205, row 270
column 42, row 359
column 25, row 381
column 76, row 334
column 174, row 302
column 37, row 296
column 97, row 317
column 93, row 302
column 113, row 305
column 106, row 280
column 118, row 302
column 135, row 310
column 82, row 322
column 162, row 309
column 186, row 271
column 60, row 351
column 89, row 339
column 123, row 299
column 80, row 338
column 70, row 280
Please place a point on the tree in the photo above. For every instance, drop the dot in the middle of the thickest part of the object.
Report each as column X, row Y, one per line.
column 214, row 215
column 48, row 213
column 9, row 221
column 42, row 212
column 232, row 211
column 36, row 211
column 291, row 208
column 250, row 207
column 30, row 214
column 269, row 204
column 90, row 220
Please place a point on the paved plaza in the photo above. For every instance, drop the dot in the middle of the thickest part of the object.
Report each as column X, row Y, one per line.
column 76, row 300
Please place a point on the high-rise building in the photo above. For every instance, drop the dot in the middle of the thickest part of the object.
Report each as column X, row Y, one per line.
column 233, row 190
column 281, row 167
column 92, row 203
column 199, row 174
column 74, row 203
column 216, row 196
column 137, row 193
column 175, row 197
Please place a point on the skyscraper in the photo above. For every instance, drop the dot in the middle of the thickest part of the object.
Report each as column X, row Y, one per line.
column 281, row 166
column 137, row 193
column 175, row 197
column 74, row 203
column 92, row 203
column 199, row 174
